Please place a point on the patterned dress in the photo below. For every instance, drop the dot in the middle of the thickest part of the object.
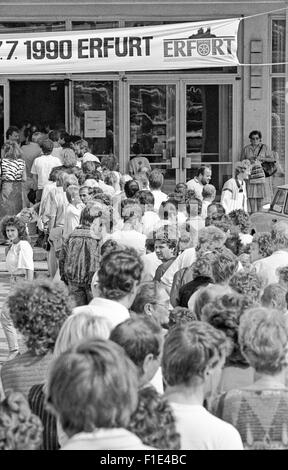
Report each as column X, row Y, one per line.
column 258, row 190
column 13, row 172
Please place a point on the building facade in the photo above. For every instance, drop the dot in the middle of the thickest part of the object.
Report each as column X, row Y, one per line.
column 178, row 119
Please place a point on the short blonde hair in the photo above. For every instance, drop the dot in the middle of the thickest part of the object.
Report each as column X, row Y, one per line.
column 82, row 325
column 263, row 339
column 69, row 158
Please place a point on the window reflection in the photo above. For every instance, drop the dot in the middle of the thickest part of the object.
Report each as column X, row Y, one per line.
column 97, row 96
column 209, row 130
column 1, row 115
column 153, row 127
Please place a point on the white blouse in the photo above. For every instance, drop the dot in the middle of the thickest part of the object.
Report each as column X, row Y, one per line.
column 19, row 257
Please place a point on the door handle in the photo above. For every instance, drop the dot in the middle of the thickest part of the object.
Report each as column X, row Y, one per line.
column 186, row 163
column 175, row 163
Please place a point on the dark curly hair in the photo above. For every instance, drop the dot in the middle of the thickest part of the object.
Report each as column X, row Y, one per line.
column 20, row 429
column 154, row 421
column 240, row 219
column 119, row 269
column 38, row 309
column 224, row 313
column 265, row 243
column 180, row 315
column 223, row 222
column 247, row 283
column 12, row 220
column 234, row 244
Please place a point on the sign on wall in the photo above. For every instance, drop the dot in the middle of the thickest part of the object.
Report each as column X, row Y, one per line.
column 160, row 47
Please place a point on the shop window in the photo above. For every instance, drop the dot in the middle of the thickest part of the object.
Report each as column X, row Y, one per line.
column 278, row 50
column 278, row 45
column 96, row 115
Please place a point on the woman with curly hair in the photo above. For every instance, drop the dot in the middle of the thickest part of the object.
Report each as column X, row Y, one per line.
column 154, row 421
column 260, row 410
column 262, row 246
column 19, row 428
column 19, row 263
column 13, row 174
column 38, row 310
column 248, row 284
column 224, row 313
column 241, row 224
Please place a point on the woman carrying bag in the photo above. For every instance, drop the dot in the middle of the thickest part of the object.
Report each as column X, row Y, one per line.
column 263, row 166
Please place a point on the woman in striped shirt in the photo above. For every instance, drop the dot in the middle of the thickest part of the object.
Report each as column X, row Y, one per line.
column 13, row 172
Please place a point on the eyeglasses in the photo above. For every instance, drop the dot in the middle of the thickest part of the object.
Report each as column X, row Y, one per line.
column 167, row 305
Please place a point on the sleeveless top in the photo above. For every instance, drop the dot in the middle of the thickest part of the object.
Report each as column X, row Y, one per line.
column 12, row 170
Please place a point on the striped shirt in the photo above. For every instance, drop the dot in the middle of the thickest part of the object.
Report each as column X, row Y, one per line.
column 12, row 170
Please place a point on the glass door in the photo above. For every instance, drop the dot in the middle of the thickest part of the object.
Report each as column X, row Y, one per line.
column 95, row 114
column 208, row 131
column 4, row 110
column 152, row 127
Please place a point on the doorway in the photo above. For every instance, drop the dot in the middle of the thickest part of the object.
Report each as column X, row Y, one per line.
column 39, row 102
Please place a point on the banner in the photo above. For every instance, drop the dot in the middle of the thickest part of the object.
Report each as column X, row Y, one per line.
column 160, row 47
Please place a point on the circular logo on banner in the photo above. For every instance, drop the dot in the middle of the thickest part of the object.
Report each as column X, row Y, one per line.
column 203, row 47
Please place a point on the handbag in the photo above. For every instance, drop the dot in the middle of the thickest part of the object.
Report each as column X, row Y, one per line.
column 269, row 168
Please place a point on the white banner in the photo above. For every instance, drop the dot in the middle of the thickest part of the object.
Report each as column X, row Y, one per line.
column 164, row 47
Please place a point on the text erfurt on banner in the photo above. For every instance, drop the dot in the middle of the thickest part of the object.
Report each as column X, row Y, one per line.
column 160, row 47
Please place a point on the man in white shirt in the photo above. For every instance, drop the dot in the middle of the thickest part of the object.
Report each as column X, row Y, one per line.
column 266, row 268
column 42, row 167
column 118, row 279
column 197, row 183
column 156, row 181
column 193, row 353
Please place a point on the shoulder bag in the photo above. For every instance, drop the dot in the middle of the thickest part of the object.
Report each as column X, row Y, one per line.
column 269, row 168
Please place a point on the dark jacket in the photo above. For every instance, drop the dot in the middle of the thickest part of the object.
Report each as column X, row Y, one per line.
column 80, row 257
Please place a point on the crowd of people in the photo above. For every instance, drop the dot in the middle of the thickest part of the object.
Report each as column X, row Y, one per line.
column 163, row 321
